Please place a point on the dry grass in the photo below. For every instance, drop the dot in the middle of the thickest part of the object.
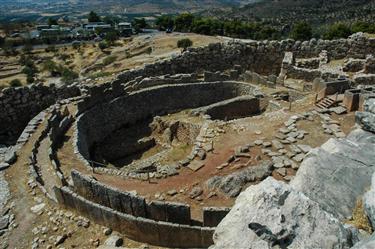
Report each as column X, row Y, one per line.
column 129, row 53
column 359, row 218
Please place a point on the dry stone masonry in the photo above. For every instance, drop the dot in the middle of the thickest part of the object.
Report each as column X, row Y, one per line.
column 284, row 186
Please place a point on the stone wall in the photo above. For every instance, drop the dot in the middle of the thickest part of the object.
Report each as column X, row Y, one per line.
column 264, row 57
column 100, row 121
column 235, row 108
column 19, row 105
column 212, row 216
column 129, row 203
column 140, row 229
column 325, row 88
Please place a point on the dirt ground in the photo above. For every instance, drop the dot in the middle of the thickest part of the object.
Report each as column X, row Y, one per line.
column 237, row 133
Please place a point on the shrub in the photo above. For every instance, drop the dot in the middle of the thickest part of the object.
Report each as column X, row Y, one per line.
column 363, row 27
column 111, row 36
column 68, row 75
column 15, row 83
column 184, row 43
column 103, row 45
column 337, row 31
column 51, row 48
column 29, row 70
column 76, row 44
column 301, row 31
column 109, row 60
column 27, row 48
column 30, row 79
column 64, row 57
column 49, row 66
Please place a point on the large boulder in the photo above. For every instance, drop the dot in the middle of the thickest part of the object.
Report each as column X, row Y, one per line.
column 366, row 119
column 231, row 185
column 273, row 214
column 366, row 244
column 369, row 203
column 338, row 173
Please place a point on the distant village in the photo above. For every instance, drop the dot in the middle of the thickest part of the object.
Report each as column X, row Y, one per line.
column 63, row 30
column 90, row 30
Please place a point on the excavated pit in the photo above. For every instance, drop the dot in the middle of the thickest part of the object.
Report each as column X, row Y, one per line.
column 120, row 131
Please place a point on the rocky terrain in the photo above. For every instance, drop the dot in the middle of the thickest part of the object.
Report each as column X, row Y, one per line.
column 236, row 144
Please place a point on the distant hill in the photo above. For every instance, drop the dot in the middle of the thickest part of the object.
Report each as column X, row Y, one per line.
column 313, row 11
column 139, row 6
column 36, row 10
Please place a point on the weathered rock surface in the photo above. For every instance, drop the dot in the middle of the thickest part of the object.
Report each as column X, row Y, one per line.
column 232, row 184
column 366, row 119
column 114, row 240
column 273, row 214
column 369, row 202
column 367, row 244
column 308, row 213
column 338, row 172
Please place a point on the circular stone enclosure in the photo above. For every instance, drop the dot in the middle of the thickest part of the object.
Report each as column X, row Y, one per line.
column 135, row 109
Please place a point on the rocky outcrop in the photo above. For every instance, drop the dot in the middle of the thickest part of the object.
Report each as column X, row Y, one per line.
column 369, row 202
column 272, row 214
column 232, row 184
column 366, row 119
column 311, row 210
column 367, row 244
column 338, row 172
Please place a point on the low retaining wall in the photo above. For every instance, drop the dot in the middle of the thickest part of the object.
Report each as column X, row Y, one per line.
column 129, row 203
column 212, row 216
column 157, row 233
column 239, row 107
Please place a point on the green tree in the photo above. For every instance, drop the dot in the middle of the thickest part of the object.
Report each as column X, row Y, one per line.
column 184, row 43
column 111, row 36
column 52, row 21
column 337, row 30
column 363, row 27
column 15, row 83
column 165, row 22
column 184, row 22
column 302, row 31
column 30, row 79
column 29, row 71
column 111, row 20
column 93, row 17
column 139, row 24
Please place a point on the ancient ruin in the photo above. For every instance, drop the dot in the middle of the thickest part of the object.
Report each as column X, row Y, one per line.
column 160, row 154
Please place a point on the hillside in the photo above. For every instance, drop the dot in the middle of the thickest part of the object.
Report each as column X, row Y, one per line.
column 288, row 11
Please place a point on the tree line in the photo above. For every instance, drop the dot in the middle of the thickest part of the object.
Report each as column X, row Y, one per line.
column 259, row 30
